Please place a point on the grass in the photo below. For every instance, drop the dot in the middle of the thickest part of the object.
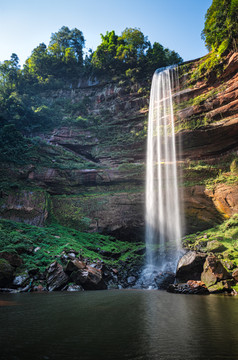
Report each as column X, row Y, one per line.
column 226, row 233
column 53, row 240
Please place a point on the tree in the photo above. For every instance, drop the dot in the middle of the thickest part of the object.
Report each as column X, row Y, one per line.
column 10, row 73
column 221, row 26
column 105, row 56
column 39, row 64
column 131, row 55
column 133, row 45
column 65, row 41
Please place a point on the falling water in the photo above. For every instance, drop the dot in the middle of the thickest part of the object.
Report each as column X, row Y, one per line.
column 163, row 225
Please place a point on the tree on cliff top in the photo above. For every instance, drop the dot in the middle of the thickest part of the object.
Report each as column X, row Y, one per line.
column 221, row 26
column 130, row 54
column 62, row 59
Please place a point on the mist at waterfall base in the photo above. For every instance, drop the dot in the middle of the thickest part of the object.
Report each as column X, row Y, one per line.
column 163, row 213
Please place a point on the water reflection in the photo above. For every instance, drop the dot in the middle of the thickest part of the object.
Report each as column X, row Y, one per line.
column 117, row 325
column 191, row 327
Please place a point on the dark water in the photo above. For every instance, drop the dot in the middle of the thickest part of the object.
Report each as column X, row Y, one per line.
column 117, row 325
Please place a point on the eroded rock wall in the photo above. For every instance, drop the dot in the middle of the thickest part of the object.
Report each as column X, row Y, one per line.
column 104, row 191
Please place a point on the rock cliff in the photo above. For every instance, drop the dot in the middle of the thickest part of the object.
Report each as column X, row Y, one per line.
column 90, row 172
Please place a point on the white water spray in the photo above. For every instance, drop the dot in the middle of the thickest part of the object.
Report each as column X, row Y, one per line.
column 163, row 224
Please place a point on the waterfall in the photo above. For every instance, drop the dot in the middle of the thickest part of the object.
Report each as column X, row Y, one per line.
column 163, row 224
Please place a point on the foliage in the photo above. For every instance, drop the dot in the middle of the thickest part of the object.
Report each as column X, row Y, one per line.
column 129, row 57
column 226, row 234
column 52, row 240
column 221, row 26
column 63, row 58
column 131, row 54
column 13, row 146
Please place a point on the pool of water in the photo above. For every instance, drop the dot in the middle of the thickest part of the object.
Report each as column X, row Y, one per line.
column 117, row 325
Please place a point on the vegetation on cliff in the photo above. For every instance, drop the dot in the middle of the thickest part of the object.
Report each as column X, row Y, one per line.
column 91, row 166
column 40, row 246
column 221, row 28
column 220, row 34
column 221, row 240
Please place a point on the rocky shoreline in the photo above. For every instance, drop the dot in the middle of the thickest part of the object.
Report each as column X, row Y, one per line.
column 197, row 273
column 71, row 272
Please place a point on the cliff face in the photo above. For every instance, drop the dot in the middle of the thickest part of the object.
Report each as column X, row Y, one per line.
column 90, row 173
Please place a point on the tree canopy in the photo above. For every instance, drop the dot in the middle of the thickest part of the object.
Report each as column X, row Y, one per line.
column 221, row 26
column 62, row 63
column 131, row 53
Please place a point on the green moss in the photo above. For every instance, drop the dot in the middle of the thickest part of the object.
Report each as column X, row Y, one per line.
column 211, row 62
column 222, row 178
column 226, row 234
column 52, row 240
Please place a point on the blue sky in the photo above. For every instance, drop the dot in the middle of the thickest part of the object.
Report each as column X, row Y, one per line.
column 176, row 24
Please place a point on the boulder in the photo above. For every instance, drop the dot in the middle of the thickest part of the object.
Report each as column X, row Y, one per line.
column 190, row 287
column 163, row 280
column 235, row 274
column 190, row 266
column 13, row 259
column 89, row 278
column 56, row 277
column 131, row 280
column 74, row 265
column 74, row 287
column 21, row 279
column 215, row 276
column 215, row 246
column 6, row 273
column 39, row 288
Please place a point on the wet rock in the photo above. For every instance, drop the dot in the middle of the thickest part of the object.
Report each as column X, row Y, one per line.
column 13, row 259
column 38, row 288
column 9, row 290
column 74, row 265
column 74, row 287
column 131, row 280
column 191, row 287
column 21, row 279
column 215, row 276
column 26, row 288
column 89, row 278
column 163, row 280
column 6, row 273
column 215, row 246
column 190, row 266
column 56, row 277
column 235, row 275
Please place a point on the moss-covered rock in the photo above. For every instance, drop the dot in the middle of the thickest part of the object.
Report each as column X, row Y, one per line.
column 215, row 246
column 215, row 276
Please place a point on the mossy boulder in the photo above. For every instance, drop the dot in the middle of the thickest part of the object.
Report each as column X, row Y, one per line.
column 190, row 266
column 21, row 279
column 215, row 276
column 14, row 259
column 6, row 273
column 215, row 246
column 235, row 274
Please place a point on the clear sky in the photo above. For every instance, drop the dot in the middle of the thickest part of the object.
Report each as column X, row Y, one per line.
column 176, row 24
